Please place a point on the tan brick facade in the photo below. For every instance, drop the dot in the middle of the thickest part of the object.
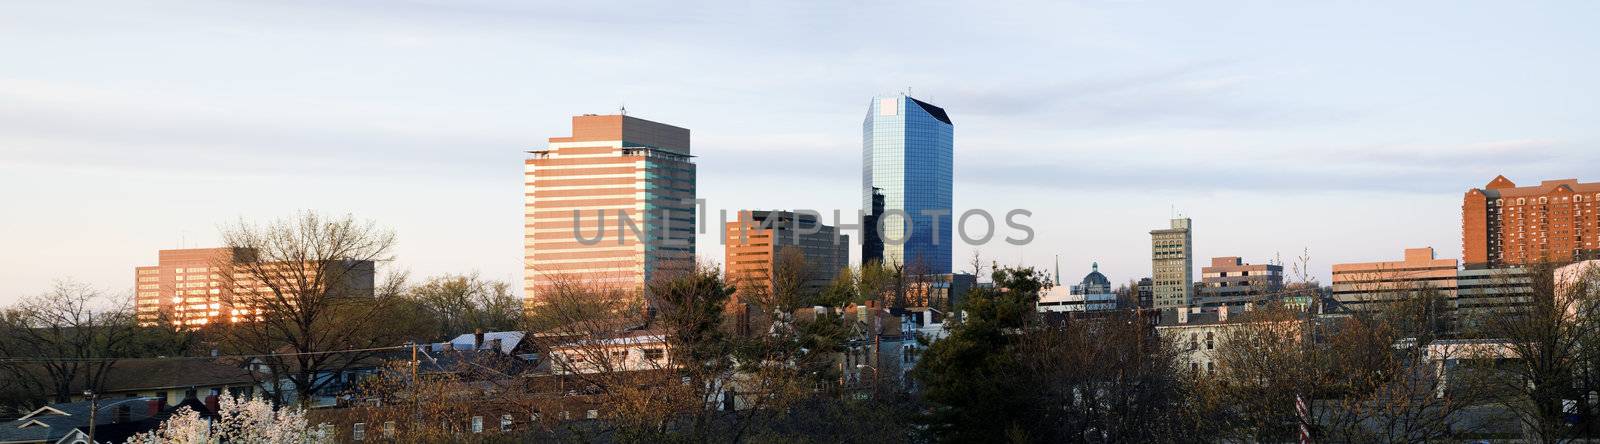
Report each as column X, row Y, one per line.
column 751, row 251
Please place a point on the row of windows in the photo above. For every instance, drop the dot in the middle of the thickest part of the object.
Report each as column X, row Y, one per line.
column 358, row 431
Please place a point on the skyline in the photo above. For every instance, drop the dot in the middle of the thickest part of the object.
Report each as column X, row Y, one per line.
column 123, row 135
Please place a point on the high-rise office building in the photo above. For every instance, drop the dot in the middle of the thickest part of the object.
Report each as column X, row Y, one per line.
column 196, row 287
column 1172, row 265
column 756, row 241
column 1230, row 282
column 1556, row 221
column 186, row 287
column 610, row 207
column 908, row 154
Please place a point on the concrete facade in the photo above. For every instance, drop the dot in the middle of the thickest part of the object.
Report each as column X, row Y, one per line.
column 1172, row 265
column 1229, row 281
column 1369, row 285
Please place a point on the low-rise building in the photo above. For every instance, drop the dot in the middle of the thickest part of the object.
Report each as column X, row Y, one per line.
column 635, row 350
column 1372, row 285
column 172, row 380
column 1092, row 294
column 941, row 291
column 1230, row 282
column 114, row 420
column 1201, row 337
column 1491, row 292
column 1468, row 294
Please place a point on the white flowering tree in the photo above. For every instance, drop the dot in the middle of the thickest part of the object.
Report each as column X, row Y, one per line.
column 238, row 421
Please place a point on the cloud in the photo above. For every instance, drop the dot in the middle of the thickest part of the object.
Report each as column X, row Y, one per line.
column 1216, row 93
column 1424, row 168
column 59, row 124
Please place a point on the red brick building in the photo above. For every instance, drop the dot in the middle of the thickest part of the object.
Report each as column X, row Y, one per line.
column 1503, row 224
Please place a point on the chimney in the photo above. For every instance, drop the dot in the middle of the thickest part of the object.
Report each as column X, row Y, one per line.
column 123, row 414
column 1183, row 316
column 449, row 346
column 1222, row 313
column 477, row 339
column 156, row 405
column 212, row 405
column 495, row 344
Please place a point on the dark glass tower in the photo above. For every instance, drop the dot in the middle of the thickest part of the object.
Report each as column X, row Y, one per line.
column 908, row 152
column 872, row 244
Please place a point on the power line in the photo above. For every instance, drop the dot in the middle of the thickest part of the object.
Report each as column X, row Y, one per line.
column 176, row 358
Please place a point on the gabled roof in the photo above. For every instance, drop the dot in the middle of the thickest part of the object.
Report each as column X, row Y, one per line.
column 139, row 375
column 46, row 410
column 51, row 422
column 1500, row 187
column 1500, row 182
column 509, row 340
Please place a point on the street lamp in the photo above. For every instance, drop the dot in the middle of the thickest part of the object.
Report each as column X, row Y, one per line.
column 93, row 409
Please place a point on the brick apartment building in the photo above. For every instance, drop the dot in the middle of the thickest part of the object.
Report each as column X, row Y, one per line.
column 1503, row 224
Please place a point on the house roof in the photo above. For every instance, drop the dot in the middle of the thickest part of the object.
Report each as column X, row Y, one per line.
column 136, row 375
column 50, row 423
column 509, row 340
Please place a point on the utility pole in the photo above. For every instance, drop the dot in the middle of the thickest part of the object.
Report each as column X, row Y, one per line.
column 93, row 409
column 413, row 346
column 877, row 335
column 416, row 398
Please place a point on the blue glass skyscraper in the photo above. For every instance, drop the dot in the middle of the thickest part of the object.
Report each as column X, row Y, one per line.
column 908, row 154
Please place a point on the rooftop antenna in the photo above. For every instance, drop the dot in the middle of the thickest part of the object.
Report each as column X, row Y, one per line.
column 622, row 109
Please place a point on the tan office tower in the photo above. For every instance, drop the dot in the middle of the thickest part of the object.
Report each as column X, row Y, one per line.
column 756, row 241
column 186, row 287
column 609, row 208
column 196, row 287
column 1503, row 224
column 1172, row 265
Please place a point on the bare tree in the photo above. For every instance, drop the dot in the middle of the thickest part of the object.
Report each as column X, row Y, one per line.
column 309, row 304
column 65, row 339
column 1547, row 352
column 1105, row 379
column 462, row 303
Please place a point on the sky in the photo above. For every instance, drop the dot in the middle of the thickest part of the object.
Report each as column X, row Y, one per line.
column 1339, row 131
